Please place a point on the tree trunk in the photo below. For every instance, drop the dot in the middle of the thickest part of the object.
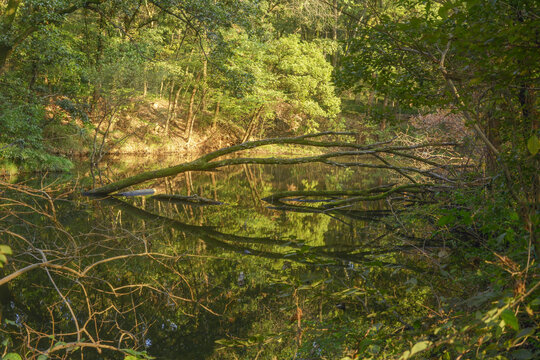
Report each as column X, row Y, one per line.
column 172, row 113
column 385, row 113
column 169, row 105
column 252, row 124
column 6, row 22
column 334, row 32
column 5, row 52
column 191, row 117
column 145, row 82
column 527, row 100
column 216, row 115
column 204, row 87
column 161, row 88
column 371, row 97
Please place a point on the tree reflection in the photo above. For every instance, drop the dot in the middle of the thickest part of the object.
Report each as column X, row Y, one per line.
column 106, row 276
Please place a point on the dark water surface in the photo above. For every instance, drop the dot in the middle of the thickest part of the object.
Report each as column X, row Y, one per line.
column 196, row 280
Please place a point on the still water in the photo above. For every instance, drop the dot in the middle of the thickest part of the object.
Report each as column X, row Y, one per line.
column 220, row 275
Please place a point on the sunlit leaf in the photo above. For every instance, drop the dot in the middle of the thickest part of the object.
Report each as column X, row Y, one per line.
column 4, row 249
column 510, row 319
column 12, row 356
column 533, row 144
column 420, row 346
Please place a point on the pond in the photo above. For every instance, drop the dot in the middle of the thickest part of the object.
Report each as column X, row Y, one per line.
column 219, row 273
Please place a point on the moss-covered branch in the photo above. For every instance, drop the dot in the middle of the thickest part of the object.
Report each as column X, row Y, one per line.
column 208, row 162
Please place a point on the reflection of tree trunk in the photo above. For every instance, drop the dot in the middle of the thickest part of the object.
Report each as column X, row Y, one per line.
column 252, row 186
column 189, row 189
column 214, row 185
column 236, row 243
column 189, row 183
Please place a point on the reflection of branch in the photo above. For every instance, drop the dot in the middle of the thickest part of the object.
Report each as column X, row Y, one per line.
column 212, row 237
column 373, row 194
column 90, row 267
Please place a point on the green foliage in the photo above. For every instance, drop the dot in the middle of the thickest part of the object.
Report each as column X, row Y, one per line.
column 11, row 356
column 21, row 135
column 4, row 250
column 20, row 122
column 291, row 75
column 304, row 77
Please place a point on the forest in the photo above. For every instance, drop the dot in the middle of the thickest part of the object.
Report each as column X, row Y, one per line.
column 269, row 179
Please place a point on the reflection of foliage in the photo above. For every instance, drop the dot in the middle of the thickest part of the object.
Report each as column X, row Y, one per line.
column 315, row 286
column 123, row 261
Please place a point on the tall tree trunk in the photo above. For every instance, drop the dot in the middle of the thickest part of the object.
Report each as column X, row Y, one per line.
column 171, row 94
column 371, row 98
column 334, row 32
column 385, row 112
column 172, row 112
column 174, row 108
column 204, row 87
column 161, row 87
column 527, row 101
column 216, row 115
column 5, row 52
column 6, row 22
column 252, row 124
column 145, row 82
column 191, row 116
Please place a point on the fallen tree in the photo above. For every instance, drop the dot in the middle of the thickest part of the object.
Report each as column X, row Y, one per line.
column 381, row 154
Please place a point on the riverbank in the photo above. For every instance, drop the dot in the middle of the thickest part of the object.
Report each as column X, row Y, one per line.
column 145, row 127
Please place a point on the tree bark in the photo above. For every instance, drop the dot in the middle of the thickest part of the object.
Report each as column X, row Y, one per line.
column 334, row 33
column 252, row 123
column 191, row 116
column 216, row 115
column 5, row 53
